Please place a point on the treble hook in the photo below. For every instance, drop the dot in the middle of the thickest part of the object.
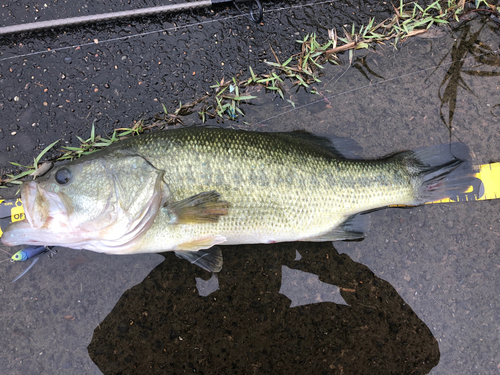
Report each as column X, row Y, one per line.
column 251, row 4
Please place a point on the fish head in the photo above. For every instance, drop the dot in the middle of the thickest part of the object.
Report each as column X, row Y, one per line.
column 99, row 203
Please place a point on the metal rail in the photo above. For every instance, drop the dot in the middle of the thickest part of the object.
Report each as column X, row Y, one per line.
column 27, row 27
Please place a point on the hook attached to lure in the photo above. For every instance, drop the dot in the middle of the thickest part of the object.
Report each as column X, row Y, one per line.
column 31, row 252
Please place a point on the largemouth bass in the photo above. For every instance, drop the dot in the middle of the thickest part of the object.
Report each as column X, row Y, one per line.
column 187, row 190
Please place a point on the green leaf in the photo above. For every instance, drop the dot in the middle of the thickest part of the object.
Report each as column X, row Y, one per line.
column 126, row 132
column 247, row 97
column 318, row 65
column 89, row 152
column 101, row 144
column 20, row 165
column 37, row 159
column 265, row 80
column 254, row 77
column 302, row 81
column 92, row 133
column 216, row 85
column 22, row 174
column 221, row 91
column 287, row 61
column 370, row 24
column 277, row 77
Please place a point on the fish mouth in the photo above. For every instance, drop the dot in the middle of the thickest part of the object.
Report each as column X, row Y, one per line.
column 48, row 222
column 15, row 233
column 46, row 216
column 44, row 209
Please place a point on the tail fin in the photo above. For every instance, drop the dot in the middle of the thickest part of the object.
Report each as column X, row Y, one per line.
column 438, row 172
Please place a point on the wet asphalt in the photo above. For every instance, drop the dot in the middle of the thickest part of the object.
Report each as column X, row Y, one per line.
column 418, row 295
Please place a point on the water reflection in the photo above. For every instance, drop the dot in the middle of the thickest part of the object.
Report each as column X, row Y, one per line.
column 247, row 325
column 468, row 44
column 305, row 288
column 362, row 66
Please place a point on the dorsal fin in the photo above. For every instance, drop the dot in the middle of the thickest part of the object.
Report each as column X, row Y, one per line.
column 340, row 147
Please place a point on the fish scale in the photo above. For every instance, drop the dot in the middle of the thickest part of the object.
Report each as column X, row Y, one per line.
column 280, row 188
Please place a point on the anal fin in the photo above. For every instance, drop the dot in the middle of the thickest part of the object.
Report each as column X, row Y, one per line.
column 208, row 259
column 351, row 229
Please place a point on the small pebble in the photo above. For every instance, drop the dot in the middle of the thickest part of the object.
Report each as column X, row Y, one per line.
column 68, row 60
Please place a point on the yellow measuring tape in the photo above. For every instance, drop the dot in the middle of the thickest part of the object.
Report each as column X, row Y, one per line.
column 487, row 175
column 10, row 211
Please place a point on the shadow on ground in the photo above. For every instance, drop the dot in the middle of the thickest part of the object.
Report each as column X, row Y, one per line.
column 164, row 326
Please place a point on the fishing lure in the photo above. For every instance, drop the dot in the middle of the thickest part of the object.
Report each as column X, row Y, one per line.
column 231, row 112
column 31, row 252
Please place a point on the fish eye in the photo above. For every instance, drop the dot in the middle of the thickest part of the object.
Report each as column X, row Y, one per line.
column 16, row 257
column 63, row 176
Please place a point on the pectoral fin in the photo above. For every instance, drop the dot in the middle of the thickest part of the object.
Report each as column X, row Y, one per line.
column 200, row 208
column 208, row 259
